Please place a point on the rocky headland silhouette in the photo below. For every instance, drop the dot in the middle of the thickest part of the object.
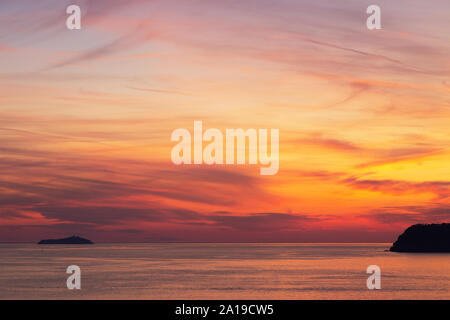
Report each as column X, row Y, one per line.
column 424, row 238
column 69, row 240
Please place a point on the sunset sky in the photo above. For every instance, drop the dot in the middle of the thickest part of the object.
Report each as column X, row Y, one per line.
column 86, row 117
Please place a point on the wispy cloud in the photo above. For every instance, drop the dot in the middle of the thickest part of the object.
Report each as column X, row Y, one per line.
column 440, row 188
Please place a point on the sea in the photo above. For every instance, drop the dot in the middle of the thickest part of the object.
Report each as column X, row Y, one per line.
column 221, row 271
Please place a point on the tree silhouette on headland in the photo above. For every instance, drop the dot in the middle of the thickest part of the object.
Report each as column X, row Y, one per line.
column 424, row 238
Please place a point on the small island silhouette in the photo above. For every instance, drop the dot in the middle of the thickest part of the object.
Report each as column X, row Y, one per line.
column 69, row 240
column 424, row 238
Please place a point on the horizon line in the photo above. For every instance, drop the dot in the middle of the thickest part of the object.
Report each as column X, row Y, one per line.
column 206, row 242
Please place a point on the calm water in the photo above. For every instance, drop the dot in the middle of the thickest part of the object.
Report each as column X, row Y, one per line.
column 220, row 271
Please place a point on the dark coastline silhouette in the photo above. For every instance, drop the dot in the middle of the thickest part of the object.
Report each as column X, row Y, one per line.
column 424, row 238
column 69, row 240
